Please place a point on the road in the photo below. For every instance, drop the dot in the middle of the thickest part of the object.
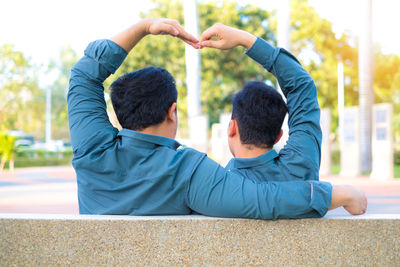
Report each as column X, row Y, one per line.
column 53, row 190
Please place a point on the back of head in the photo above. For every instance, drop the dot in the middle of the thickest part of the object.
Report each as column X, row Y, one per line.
column 142, row 98
column 259, row 111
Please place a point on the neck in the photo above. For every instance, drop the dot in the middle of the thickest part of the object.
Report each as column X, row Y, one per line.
column 250, row 151
column 159, row 129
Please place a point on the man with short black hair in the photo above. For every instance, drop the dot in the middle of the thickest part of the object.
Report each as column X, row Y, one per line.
column 145, row 88
column 257, row 117
column 140, row 170
column 259, row 111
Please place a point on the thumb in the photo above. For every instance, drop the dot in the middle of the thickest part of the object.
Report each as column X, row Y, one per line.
column 210, row 43
column 208, row 34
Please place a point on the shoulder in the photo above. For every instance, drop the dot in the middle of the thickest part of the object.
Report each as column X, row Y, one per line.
column 100, row 140
column 200, row 162
column 189, row 156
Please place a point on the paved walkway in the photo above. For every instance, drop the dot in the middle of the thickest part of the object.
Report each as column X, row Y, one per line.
column 53, row 190
column 39, row 190
column 383, row 196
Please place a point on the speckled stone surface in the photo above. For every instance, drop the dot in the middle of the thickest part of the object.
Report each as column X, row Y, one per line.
column 48, row 240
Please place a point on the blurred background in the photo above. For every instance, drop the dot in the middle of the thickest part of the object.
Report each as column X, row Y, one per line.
column 350, row 48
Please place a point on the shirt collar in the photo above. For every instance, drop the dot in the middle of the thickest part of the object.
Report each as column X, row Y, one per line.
column 150, row 139
column 244, row 163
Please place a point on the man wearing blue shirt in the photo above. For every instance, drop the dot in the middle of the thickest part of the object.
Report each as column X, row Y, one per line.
column 258, row 114
column 140, row 170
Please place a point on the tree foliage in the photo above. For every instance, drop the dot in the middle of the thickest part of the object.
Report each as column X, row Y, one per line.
column 21, row 99
column 222, row 72
column 320, row 50
column 7, row 150
column 314, row 41
column 68, row 57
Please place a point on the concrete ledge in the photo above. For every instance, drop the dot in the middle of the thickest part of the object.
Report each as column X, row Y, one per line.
column 197, row 240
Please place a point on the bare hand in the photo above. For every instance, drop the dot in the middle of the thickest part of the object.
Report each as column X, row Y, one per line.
column 170, row 27
column 227, row 37
column 357, row 204
column 351, row 198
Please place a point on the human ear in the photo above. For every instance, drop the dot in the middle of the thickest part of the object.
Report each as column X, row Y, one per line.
column 232, row 129
column 279, row 137
column 172, row 115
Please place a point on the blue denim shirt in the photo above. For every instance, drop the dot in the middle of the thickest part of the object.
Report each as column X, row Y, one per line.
column 300, row 158
column 128, row 172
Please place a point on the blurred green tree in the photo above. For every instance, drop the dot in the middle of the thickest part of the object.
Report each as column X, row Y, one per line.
column 387, row 87
column 7, row 151
column 21, row 99
column 320, row 51
column 59, row 115
column 222, row 72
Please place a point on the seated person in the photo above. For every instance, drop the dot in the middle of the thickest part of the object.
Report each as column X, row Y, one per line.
column 257, row 116
column 258, row 112
column 140, row 170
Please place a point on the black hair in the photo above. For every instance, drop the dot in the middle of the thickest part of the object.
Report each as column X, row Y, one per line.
column 259, row 111
column 142, row 98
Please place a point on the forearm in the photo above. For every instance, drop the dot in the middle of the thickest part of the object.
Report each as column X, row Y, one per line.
column 215, row 192
column 246, row 39
column 129, row 38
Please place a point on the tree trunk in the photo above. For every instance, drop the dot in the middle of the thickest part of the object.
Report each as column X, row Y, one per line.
column 3, row 162
column 11, row 164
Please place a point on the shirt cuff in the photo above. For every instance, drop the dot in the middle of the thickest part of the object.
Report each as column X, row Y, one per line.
column 263, row 53
column 109, row 54
column 321, row 196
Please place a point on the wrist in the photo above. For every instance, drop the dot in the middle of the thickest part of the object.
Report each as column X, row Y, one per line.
column 247, row 40
column 340, row 196
column 344, row 194
column 144, row 26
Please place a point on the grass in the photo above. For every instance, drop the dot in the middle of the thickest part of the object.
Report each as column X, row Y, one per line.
column 335, row 169
column 24, row 162
column 397, row 171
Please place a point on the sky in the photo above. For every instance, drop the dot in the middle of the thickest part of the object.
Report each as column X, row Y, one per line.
column 40, row 28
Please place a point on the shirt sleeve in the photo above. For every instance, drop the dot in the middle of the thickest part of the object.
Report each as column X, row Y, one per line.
column 302, row 152
column 86, row 105
column 213, row 191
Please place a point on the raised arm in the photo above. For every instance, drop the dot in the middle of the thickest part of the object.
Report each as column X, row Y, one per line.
column 86, row 105
column 302, row 152
column 301, row 155
column 277, row 200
